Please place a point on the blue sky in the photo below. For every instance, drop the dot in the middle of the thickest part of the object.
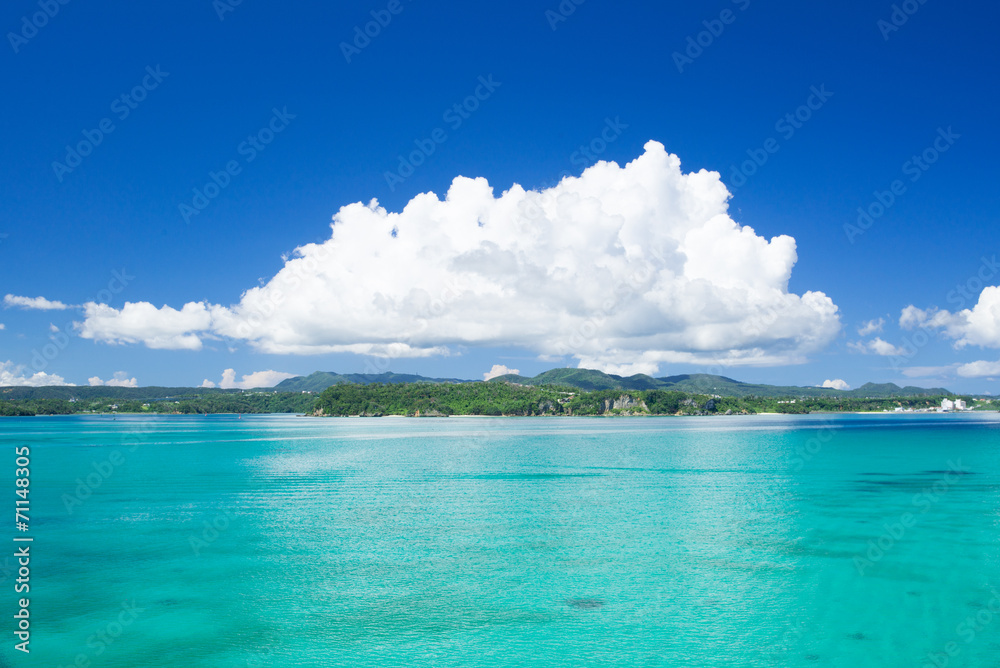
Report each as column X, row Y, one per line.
column 550, row 79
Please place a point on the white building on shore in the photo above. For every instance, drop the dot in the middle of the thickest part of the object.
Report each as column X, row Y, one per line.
column 956, row 405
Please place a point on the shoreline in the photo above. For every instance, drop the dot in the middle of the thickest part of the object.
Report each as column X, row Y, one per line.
column 649, row 415
column 491, row 417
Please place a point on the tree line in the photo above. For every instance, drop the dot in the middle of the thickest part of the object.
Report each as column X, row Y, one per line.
column 479, row 398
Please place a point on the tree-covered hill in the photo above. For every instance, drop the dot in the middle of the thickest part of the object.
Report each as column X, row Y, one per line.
column 514, row 399
column 589, row 379
column 320, row 380
column 150, row 400
column 573, row 391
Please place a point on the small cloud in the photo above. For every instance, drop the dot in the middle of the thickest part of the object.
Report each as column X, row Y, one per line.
column 877, row 346
column 627, row 369
column 53, row 328
column 871, row 327
column 127, row 382
column 207, row 383
column 500, row 370
column 2, row 326
column 120, row 379
column 884, row 348
column 250, row 381
column 11, row 374
column 33, row 303
column 979, row 369
column 836, row 384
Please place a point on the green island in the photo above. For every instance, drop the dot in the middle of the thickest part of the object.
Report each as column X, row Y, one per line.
column 504, row 399
column 557, row 392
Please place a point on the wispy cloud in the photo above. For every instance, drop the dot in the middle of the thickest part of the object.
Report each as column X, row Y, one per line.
column 871, row 327
column 979, row 369
column 34, row 303
column 877, row 346
column 929, row 371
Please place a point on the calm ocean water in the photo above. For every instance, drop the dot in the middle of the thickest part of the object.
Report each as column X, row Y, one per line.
column 286, row 541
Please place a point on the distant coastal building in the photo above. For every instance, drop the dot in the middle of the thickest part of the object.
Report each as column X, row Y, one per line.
column 956, row 405
column 947, row 405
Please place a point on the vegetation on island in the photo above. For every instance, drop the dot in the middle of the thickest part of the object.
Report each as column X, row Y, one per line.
column 555, row 392
column 191, row 403
column 591, row 379
column 509, row 399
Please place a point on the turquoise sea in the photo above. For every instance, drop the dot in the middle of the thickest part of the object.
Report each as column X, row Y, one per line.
column 852, row 541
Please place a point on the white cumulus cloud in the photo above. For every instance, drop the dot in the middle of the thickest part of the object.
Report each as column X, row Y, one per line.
column 250, row 381
column 34, row 303
column 500, row 370
column 871, row 327
column 12, row 374
column 120, row 379
column 836, row 384
column 164, row 327
column 979, row 369
column 623, row 266
column 978, row 326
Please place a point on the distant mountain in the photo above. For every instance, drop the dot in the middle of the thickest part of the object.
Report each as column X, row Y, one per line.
column 320, row 380
column 583, row 379
column 589, row 379
column 702, row 383
column 882, row 390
